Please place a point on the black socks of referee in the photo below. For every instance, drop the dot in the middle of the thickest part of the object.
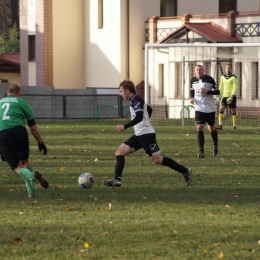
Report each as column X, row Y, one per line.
column 200, row 138
column 214, row 136
column 120, row 164
column 174, row 165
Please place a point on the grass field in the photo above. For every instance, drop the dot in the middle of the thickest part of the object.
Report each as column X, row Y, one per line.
column 152, row 216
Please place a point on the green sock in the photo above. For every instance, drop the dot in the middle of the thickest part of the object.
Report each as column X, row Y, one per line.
column 30, row 186
column 29, row 180
column 25, row 174
column 30, row 168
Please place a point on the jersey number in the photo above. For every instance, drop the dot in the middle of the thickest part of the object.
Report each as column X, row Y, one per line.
column 6, row 106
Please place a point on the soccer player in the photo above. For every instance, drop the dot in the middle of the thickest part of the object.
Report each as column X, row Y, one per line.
column 228, row 90
column 14, row 141
column 144, row 137
column 202, row 89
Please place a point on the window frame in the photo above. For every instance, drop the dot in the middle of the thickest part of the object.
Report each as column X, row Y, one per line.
column 227, row 5
column 164, row 5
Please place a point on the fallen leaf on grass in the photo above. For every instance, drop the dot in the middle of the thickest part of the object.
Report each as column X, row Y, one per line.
column 17, row 240
column 86, row 245
column 62, row 168
column 236, row 194
column 70, row 208
column 96, row 160
column 159, row 243
column 211, row 215
column 109, row 206
column 220, row 255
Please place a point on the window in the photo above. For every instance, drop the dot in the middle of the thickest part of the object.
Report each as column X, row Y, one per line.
column 161, row 80
column 168, row 7
column 227, row 5
column 238, row 73
column 31, row 48
column 100, row 14
column 254, row 90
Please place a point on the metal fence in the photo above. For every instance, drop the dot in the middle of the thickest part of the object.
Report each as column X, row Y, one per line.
column 76, row 106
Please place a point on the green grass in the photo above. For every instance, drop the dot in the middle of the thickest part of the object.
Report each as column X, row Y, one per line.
column 153, row 215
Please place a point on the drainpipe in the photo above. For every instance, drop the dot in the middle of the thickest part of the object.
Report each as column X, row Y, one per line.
column 128, row 39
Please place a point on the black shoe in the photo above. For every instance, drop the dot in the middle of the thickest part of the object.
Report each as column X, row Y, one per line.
column 112, row 182
column 215, row 150
column 187, row 177
column 201, row 154
column 32, row 195
column 40, row 180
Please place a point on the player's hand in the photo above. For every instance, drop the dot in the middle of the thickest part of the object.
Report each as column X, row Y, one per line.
column 120, row 128
column 192, row 101
column 43, row 148
column 229, row 100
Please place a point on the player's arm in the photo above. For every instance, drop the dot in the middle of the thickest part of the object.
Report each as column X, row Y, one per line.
column 138, row 118
column 221, row 85
column 36, row 134
column 215, row 89
column 235, row 86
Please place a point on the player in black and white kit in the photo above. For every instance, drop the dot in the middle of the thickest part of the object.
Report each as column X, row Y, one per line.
column 202, row 89
column 144, row 137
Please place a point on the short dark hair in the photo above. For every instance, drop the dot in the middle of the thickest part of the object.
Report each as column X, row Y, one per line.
column 13, row 89
column 128, row 84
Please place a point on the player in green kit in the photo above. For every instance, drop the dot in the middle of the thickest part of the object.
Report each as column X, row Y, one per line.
column 14, row 141
column 228, row 90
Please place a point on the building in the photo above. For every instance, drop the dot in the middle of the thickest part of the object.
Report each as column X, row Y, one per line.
column 93, row 44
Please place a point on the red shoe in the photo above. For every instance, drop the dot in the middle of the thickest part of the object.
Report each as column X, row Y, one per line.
column 219, row 127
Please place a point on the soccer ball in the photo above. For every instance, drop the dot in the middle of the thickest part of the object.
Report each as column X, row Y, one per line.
column 86, row 180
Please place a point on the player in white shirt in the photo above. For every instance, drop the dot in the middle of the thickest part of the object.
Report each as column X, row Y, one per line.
column 202, row 89
column 144, row 137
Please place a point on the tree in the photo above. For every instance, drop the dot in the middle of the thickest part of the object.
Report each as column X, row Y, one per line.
column 12, row 42
column 5, row 16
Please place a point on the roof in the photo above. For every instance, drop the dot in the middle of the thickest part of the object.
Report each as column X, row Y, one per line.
column 10, row 58
column 210, row 32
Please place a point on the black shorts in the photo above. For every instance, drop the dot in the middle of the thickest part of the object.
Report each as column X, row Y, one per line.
column 202, row 118
column 14, row 145
column 147, row 142
column 232, row 105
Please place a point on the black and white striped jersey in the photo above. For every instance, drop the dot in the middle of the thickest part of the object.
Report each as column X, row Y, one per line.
column 140, row 115
column 204, row 102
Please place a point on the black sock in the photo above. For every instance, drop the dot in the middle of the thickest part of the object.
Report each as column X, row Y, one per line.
column 120, row 164
column 200, row 138
column 214, row 136
column 174, row 165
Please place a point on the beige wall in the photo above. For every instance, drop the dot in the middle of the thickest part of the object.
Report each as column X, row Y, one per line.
column 139, row 12
column 106, row 49
column 105, row 46
column 68, row 44
column 11, row 77
column 212, row 6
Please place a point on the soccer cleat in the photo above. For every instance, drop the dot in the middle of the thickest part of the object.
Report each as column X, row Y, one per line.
column 32, row 195
column 40, row 180
column 201, row 155
column 234, row 128
column 219, row 127
column 112, row 182
column 215, row 150
column 187, row 177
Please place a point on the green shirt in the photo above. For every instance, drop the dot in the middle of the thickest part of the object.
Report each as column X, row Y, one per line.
column 13, row 112
column 228, row 85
